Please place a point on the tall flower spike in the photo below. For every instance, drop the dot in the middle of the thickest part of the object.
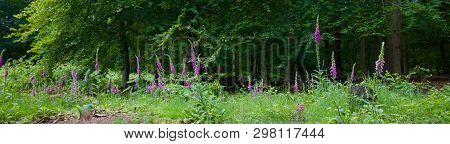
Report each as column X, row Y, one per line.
column 1, row 59
column 255, row 91
column 44, row 73
column 6, row 72
column 333, row 71
column 138, row 68
column 172, row 68
column 96, row 64
column 86, row 77
column 33, row 81
column 352, row 76
column 262, row 85
column 198, row 67
column 249, row 85
column 296, row 83
column 158, row 64
column 317, row 32
column 193, row 59
column 74, row 81
column 379, row 64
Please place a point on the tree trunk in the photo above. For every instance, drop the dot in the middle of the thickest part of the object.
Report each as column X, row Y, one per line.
column 263, row 62
column 362, row 55
column 125, row 57
column 444, row 59
column 396, row 37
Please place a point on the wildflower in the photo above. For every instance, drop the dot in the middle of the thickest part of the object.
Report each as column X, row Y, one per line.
column 249, row 85
column 296, row 84
column 172, row 69
column 138, row 69
column 1, row 59
column 262, row 85
column 74, row 81
column 194, row 65
column 300, row 108
column 352, row 76
column 255, row 91
column 86, row 77
column 333, row 71
column 51, row 90
column 136, row 82
column 60, row 84
column 317, row 32
column 158, row 64
column 160, row 81
column 64, row 78
column 108, row 84
column 115, row 90
column 33, row 81
column 6, row 72
column 198, row 67
column 151, row 87
column 44, row 73
column 187, row 84
column 379, row 64
column 96, row 64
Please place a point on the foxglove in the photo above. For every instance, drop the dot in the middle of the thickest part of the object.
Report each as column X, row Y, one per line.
column 1, row 59
column 333, row 71
column 6, row 72
column 172, row 69
column 352, row 76
column 198, row 67
column 138, row 68
column 296, row 89
column 86, row 77
column 379, row 64
column 249, row 84
column 317, row 32
column 74, row 81
column 151, row 87
column 44, row 73
column 158, row 64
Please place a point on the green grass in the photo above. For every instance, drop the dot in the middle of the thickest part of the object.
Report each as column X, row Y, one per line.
column 330, row 102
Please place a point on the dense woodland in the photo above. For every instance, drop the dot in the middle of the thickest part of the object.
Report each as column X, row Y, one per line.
column 229, row 43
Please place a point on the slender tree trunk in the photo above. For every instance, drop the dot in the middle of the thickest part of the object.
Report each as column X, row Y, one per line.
column 444, row 58
column 396, row 37
column 263, row 62
column 362, row 55
column 124, row 54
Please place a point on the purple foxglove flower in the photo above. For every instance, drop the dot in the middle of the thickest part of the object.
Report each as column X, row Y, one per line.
column 51, row 90
column 115, row 90
column 60, row 85
column 96, row 64
column 352, row 77
column 64, row 78
column 317, row 32
column 249, row 85
column 300, row 108
column 193, row 59
column 187, row 84
column 74, row 81
column 379, row 64
column 296, row 89
column 136, row 82
column 33, row 91
column 262, row 85
column 1, row 61
column 158, row 64
column 44, row 73
column 151, row 87
column 160, row 81
column 255, row 92
column 86, row 77
column 138, row 67
column 333, row 71
column 172, row 69
column 6, row 72
column 33, row 79
column 198, row 67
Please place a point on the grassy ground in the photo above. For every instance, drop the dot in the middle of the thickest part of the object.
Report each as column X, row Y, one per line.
column 401, row 102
